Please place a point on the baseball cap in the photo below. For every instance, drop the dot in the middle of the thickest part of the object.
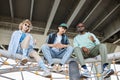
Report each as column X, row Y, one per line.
column 64, row 25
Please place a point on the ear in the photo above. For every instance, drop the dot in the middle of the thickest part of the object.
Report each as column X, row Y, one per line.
column 58, row 27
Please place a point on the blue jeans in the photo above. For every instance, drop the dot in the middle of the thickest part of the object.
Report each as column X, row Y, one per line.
column 63, row 54
column 20, row 50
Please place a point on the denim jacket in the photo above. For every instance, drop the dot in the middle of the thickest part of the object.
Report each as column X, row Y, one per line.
column 52, row 37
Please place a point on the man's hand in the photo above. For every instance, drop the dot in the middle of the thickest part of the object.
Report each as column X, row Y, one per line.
column 57, row 45
column 92, row 38
column 85, row 50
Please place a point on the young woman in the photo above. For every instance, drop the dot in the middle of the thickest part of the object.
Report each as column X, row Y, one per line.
column 22, row 42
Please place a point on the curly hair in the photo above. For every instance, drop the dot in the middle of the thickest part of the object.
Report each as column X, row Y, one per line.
column 25, row 21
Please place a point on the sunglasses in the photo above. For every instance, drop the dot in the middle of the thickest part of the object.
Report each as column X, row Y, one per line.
column 79, row 26
column 27, row 25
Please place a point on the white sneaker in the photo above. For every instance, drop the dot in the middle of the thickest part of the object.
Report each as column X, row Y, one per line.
column 85, row 74
column 54, row 68
column 60, row 68
column 24, row 61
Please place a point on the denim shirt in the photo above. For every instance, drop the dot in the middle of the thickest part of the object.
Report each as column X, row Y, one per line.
column 14, row 42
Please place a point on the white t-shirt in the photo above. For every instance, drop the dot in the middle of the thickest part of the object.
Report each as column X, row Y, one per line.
column 57, row 40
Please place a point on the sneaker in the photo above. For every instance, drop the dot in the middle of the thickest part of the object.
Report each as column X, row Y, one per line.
column 60, row 68
column 107, row 73
column 24, row 61
column 54, row 68
column 47, row 74
column 85, row 74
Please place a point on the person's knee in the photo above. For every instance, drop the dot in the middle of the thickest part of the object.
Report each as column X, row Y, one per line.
column 28, row 37
column 70, row 48
column 76, row 48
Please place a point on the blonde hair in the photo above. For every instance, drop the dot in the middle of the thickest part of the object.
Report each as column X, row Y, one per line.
column 25, row 21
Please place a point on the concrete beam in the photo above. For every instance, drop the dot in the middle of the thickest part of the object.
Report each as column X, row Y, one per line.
column 111, row 29
column 11, row 25
column 78, row 8
column 31, row 10
column 106, row 17
column 52, row 14
column 118, row 40
column 93, row 10
column 11, row 9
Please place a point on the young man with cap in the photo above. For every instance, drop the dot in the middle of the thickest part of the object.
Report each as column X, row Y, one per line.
column 86, row 45
column 57, row 46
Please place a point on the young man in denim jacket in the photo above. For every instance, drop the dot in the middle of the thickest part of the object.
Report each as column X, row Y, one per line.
column 57, row 46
